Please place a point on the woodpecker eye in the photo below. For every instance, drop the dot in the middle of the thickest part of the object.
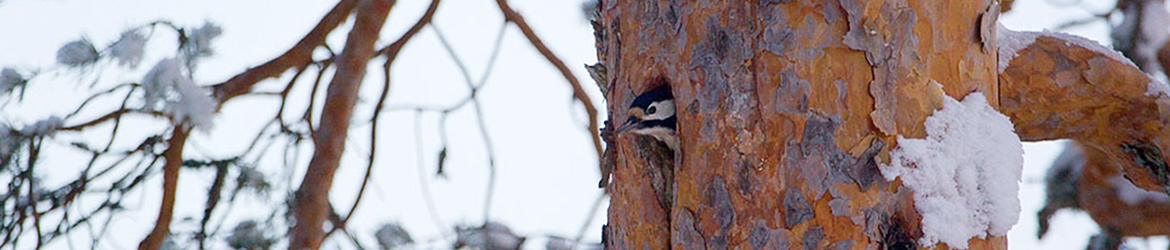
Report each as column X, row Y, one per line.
column 652, row 110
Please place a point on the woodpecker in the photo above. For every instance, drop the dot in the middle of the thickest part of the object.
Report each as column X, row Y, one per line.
column 653, row 114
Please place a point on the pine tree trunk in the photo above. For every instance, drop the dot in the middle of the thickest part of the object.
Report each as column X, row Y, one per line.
column 783, row 106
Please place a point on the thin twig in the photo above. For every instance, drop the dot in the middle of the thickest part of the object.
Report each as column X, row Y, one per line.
column 299, row 55
column 382, row 100
column 474, row 88
column 422, row 176
column 578, row 92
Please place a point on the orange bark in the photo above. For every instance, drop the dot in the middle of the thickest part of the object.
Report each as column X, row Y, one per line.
column 299, row 55
column 174, row 162
column 312, row 197
column 783, row 107
column 1054, row 89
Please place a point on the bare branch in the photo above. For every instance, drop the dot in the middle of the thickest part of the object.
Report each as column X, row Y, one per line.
column 300, row 55
column 391, row 54
column 578, row 92
column 174, row 161
column 312, row 197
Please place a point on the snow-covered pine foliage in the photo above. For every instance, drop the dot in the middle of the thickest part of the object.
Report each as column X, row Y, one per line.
column 176, row 95
column 199, row 40
column 9, row 80
column 492, row 236
column 129, row 49
column 247, row 235
column 77, row 53
column 10, row 142
column 392, row 236
column 965, row 174
column 48, row 127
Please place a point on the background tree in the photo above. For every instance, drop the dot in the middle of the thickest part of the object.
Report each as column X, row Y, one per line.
column 314, row 99
column 238, row 176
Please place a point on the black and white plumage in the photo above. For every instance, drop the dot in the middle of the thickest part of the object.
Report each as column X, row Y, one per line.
column 653, row 113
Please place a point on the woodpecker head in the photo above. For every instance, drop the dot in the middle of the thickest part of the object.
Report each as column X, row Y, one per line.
column 653, row 114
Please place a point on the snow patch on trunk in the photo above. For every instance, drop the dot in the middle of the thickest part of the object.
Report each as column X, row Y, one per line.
column 965, row 174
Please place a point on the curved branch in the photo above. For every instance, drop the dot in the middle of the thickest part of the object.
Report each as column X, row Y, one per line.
column 174, row 161
column 107, row 117
column 578, row 92
column 300, row 55
column 1059, row 86
column 312, row 197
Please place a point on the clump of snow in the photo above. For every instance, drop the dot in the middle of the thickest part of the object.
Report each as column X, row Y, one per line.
column 1134, row 195
column 10, row 141
column 392, row 236
column 47, row 126
column 77, row 53
column 247, row 235
column 1008, row 42
column 557, row 242
column 252, row 179
column 199, row 40
column 965, row 174
column 175, row 94
column 129, row 49
column 10, row 79
column 491, row 236
column 1157, row 88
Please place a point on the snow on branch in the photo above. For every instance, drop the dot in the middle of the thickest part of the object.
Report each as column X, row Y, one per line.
column 1057, row 86
column 77, row 53
column 176, row 95
column 965, row 174
column 129, row 49
column 198, row 43
column 1009, row 42
column 9, row 80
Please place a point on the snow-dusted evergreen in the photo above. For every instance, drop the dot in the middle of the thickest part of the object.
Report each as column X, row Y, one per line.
column 9, row 80
column 199, row 40
column 10, row 142
column 175, row 94
column 77, row 53
column 48, row 126
column 129, row 49
column 248, row 235
column 392, row 236
column 965, row 174
column 491, row 236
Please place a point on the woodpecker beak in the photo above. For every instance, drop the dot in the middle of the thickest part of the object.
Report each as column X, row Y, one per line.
column 631, row 124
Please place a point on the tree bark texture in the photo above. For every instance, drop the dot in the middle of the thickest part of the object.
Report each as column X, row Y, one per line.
column 786, row 108
column 1098, row 195
column 1052, row 90
column 312, row 197
column 783, row 107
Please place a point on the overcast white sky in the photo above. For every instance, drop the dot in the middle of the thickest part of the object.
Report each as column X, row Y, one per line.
column 547, row 171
